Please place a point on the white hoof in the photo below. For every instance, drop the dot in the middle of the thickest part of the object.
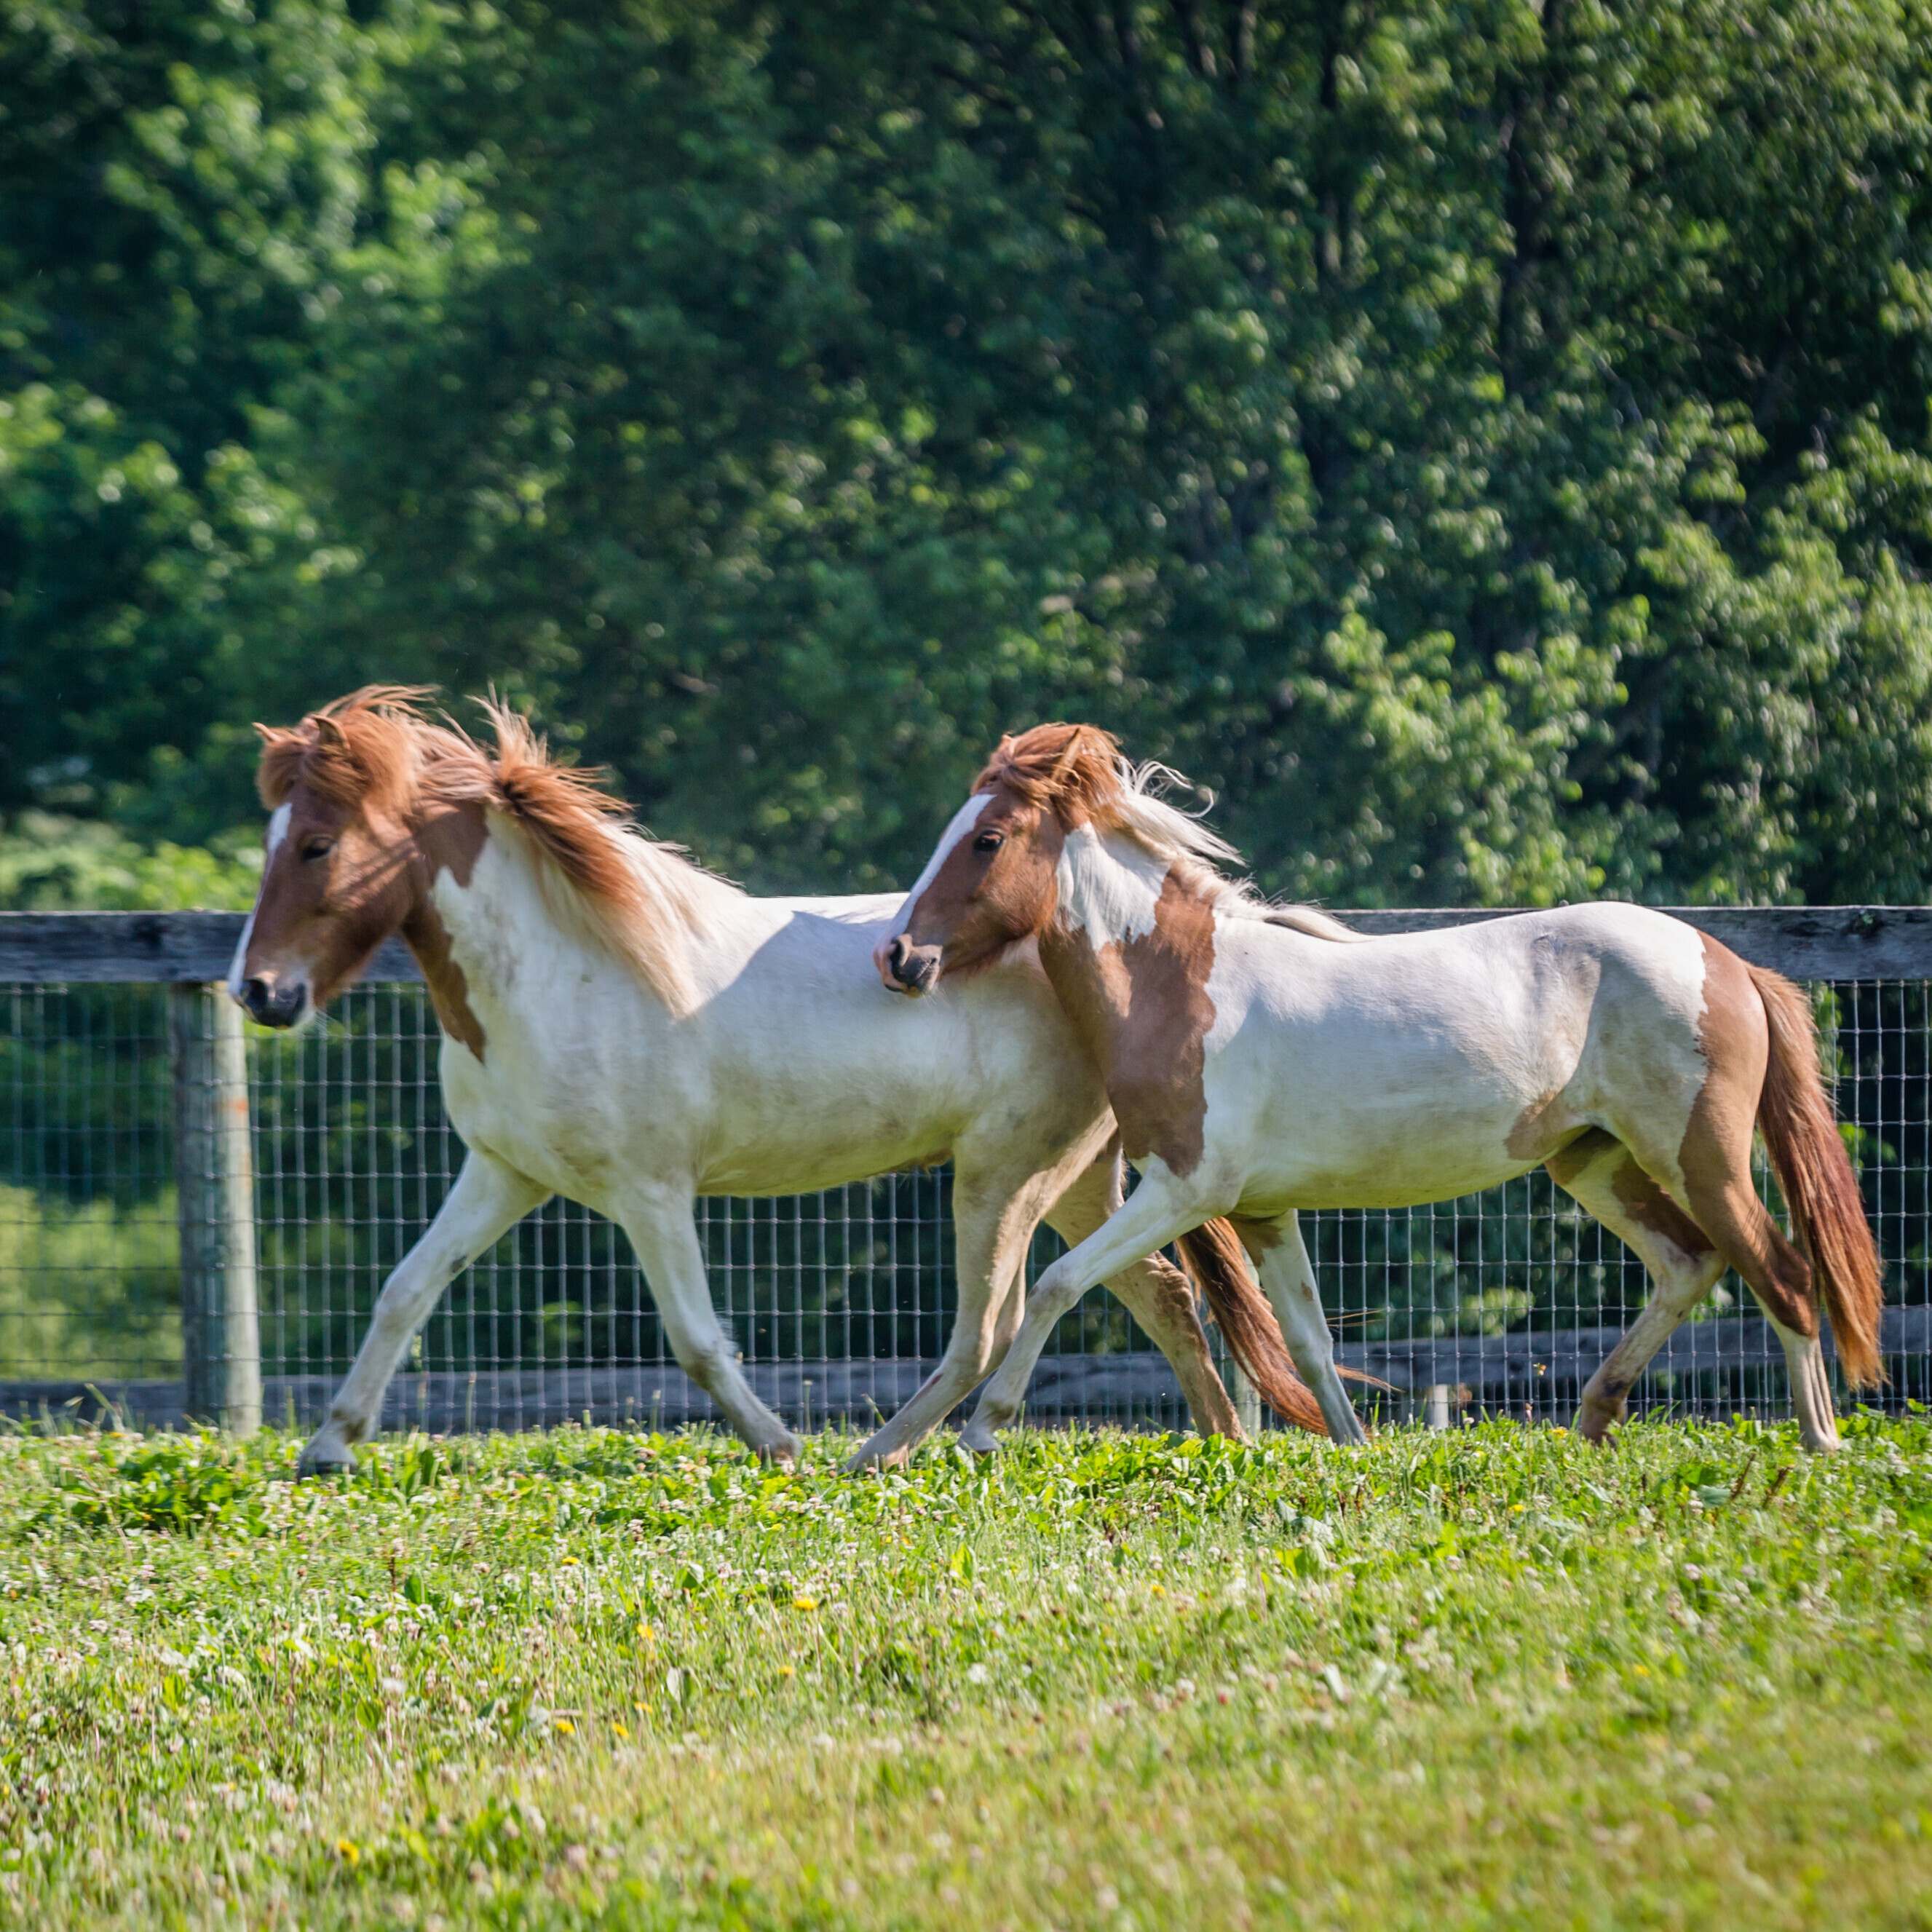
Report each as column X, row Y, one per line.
column 980, row 1437
column 785, row 1451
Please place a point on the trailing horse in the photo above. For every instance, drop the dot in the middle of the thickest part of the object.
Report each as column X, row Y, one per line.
column 624, row 1028
column 1260, row 1060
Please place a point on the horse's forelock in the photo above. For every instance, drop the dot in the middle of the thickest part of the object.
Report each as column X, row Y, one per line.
column 1075, row 768
column 362, row 749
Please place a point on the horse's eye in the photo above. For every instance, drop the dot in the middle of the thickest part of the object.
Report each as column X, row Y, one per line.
column 989, row 842
column 318, row 848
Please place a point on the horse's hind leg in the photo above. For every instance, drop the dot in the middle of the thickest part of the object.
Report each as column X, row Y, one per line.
column 1603, row 1176
column 1281, row 1259
column 1153, row 1292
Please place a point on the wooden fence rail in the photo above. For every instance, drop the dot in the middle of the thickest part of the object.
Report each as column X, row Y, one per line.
column 190, row 952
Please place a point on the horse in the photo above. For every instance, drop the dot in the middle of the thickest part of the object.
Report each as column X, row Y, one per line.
column 1263, row 1059
column 622, row 1027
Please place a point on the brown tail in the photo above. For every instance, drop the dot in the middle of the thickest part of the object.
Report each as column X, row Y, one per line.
column 1814, row 1173
column 1213, row 1256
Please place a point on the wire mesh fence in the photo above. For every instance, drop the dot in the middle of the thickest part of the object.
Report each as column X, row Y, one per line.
column 838, row 1302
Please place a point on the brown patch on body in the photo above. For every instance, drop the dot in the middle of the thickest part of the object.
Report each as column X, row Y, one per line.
column 1639, row 1197
column 1715, row 1157
column 1542, row 1121
column 1257, row 1236
column 428, row 938
column 1142, row 1010
column 452, row 839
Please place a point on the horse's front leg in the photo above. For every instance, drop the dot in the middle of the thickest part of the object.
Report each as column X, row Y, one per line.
column 1152, row 1290
column 1281, row 1259
column 1160, row 1208
column 487, row 1199
column 665, row 1237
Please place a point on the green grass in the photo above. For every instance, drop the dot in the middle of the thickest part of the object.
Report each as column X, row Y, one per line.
column 1487, row 1679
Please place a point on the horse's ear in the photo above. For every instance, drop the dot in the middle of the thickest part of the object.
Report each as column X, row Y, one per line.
column 282, row 751
column 328, row 734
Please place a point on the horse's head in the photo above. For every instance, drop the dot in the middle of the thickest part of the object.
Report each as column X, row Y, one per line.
column 994, row 878
column 344, row 865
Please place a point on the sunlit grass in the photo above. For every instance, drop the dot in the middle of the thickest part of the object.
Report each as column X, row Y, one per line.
column 1491, row 1678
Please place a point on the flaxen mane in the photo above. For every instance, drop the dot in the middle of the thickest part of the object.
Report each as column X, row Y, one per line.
column 373, row 751
column 1080, row 771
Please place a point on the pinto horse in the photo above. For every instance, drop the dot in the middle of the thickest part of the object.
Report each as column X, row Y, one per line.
column 1260, row 1060
column 624, row 1028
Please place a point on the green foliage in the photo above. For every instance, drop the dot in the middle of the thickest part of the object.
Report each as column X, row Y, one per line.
column 87, row 1288
column 1485, row 444
column 50, row 862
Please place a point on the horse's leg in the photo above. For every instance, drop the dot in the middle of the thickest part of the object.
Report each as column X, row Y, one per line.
column 665, row 1239
column 487, row 1198
column 1160, row 1208
column 1603, row 1177
column 1281, row 1260
column 1154, row 1292
column 992, row 1223
column 1715, row 1159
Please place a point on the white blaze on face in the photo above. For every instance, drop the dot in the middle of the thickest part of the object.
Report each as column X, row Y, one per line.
column 963, row 822
column 278, row 830
column 1110, row 887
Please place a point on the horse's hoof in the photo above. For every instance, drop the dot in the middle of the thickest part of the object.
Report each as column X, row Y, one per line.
column 787, row 1451
column 324, row 1462
column 981, row 1438
column 874, row 1458
column 1598, row 1424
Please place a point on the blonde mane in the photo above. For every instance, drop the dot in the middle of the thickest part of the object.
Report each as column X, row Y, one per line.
column 374, row 752
column 1081, row 772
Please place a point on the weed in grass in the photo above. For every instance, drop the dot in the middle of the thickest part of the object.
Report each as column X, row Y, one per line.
column 1486, row 1678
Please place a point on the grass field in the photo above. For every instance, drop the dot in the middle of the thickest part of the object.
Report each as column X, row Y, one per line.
column 1490, row 1677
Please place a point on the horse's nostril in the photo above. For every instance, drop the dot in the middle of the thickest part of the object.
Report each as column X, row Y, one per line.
column 275, row 1005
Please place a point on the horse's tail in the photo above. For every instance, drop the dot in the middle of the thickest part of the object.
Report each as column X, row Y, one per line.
column 1814, row 1173
column 1215, row 1260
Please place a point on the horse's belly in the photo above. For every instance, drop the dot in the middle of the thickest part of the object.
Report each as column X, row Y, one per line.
column 1373, row 1157
column 782, row 1163
column 1393, row 1181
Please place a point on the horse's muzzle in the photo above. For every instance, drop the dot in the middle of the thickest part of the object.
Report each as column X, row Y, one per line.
column 275, row 1004
column 907, row 968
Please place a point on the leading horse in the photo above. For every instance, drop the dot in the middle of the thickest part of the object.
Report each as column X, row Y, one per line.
column 1260, row 1060
column 622, row 1027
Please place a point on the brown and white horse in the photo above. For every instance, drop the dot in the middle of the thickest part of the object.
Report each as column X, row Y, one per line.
column 1260, row 1060
column 624, row 1028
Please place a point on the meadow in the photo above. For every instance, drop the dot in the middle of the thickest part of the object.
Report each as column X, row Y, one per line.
column 1488, row 1678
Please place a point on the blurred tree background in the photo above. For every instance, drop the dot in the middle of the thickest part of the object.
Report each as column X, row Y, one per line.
column 1487, row 444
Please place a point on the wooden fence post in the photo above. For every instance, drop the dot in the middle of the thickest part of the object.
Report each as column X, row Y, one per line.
column 221, row 1347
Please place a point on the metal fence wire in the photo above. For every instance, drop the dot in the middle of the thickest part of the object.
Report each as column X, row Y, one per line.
column 839, row 1302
